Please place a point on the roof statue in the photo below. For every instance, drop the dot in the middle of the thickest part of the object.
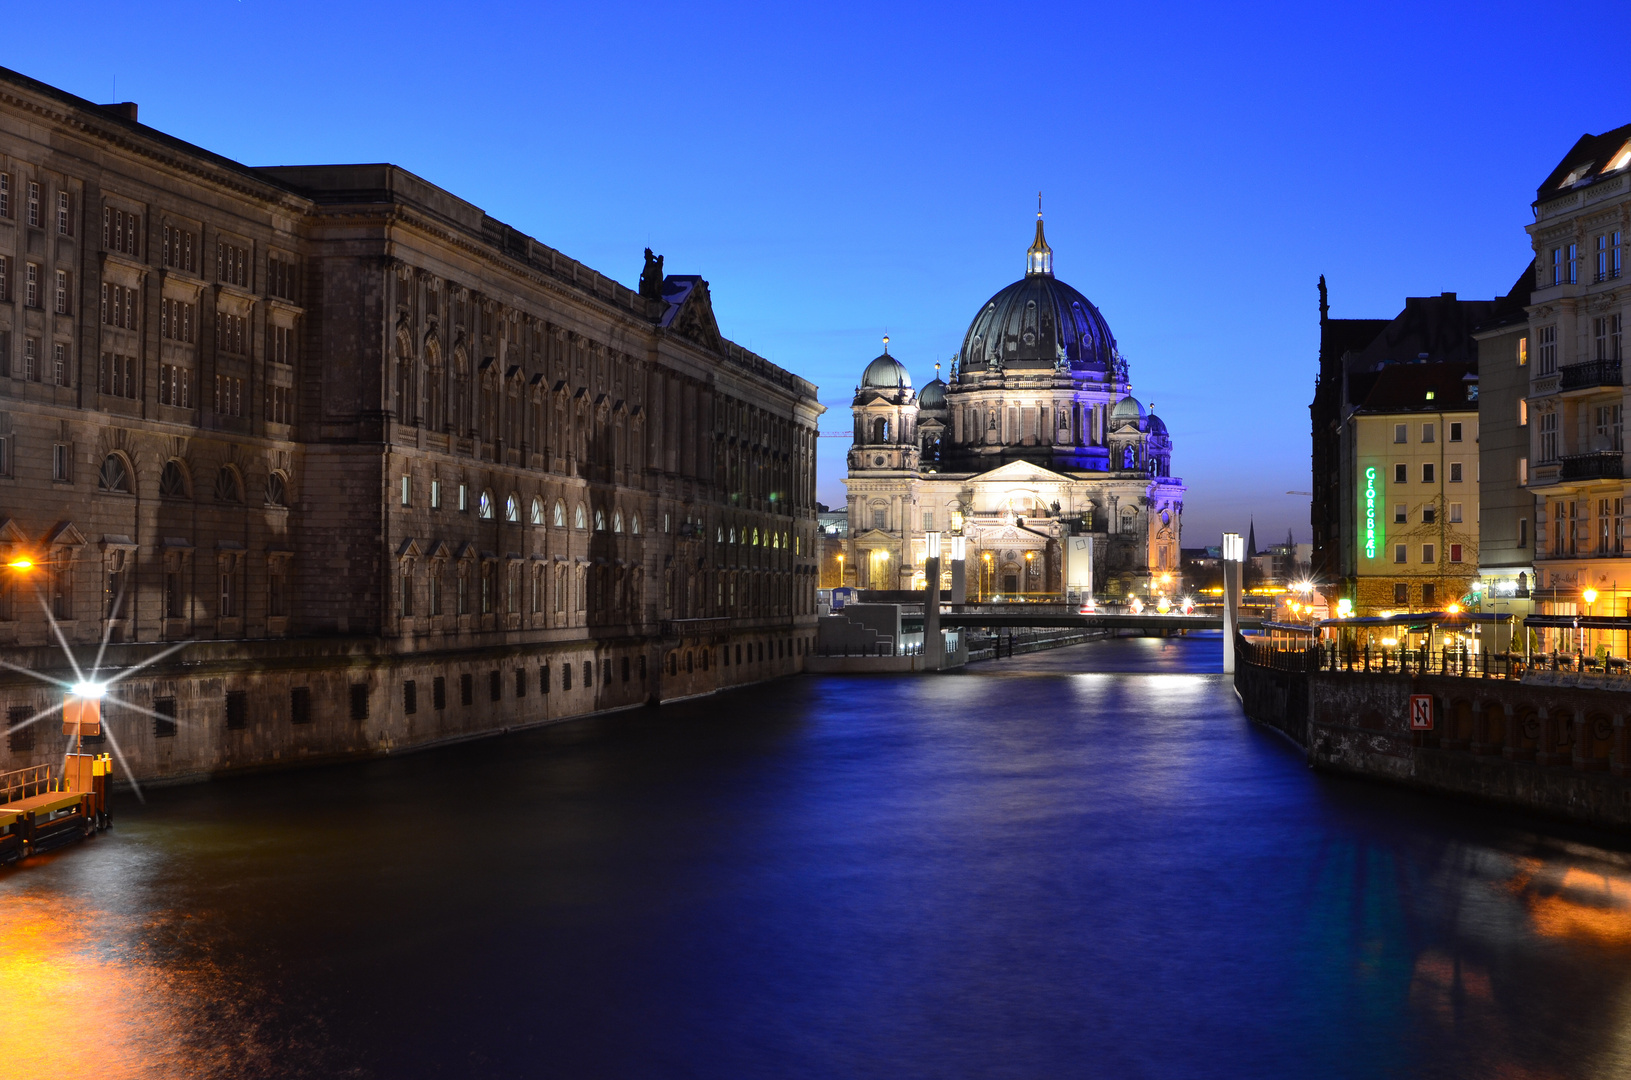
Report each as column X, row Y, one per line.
column 651, row 278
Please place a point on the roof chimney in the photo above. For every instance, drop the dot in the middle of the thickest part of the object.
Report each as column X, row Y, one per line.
column 125, row 110
column 1447, row 296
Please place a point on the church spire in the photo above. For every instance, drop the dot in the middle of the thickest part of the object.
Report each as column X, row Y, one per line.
column 1039, row 258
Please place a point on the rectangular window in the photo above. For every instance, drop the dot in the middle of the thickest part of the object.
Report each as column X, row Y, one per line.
column 62, row 293
column 121, row 232
column 116, row 376
column 407, row 491
column 1455, row 472
column 1455, row 513
column 520, row 682
column 1523, row 471
column 277, row 589
column 1548, row 437
column 280, row 272
column 1523, row 352
column 1401, row 474
column 31, row 285
column 566, row 676
column 435, row 494
column 1455, row 432
column 467, row 689
column 19, row 732
column 1605, row 526
column 65, row 215
column 543, row 678
column 1523, row 532
column 281, row 346
column 59, row 364
column 237, row 709
column 164, row 723
column 438, row 692
column 1401, row 514
column 1427, row 473
column 1427, row 432
column 928, row 521
column 59, row 463
column 33, row 205
column 232, row 264
column 31, row 359
column 1610, row 428
column 5, row 195
column 588, row 674
column 1429, row 595
column 880, row 519
column 406, row 579
column 229, row 396
column 175, row 386
column 1548, row 350
column 5, row 278
column 1401, row 433
column 1523, row 412
column 1572, row 264
column 1400, row 553
column 180, row 248
column 464, row 499
column 359, row 701
column 1455, row 552
column 495, row 686
column 1401, row 593
column 280, row 404
column 1429, row 514
column 410, row 697
column 1429, row 554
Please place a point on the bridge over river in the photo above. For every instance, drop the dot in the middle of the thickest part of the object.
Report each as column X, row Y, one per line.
column 1010, row 616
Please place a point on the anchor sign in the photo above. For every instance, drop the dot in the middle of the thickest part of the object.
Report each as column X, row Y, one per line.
column 1421, row 712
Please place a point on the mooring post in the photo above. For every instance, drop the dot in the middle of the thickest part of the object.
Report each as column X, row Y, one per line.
column 1234, row 551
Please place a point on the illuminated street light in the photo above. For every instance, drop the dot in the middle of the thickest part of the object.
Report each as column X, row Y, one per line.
column 1589, row 596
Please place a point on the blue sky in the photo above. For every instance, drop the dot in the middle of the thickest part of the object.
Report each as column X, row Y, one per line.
column 841, row 171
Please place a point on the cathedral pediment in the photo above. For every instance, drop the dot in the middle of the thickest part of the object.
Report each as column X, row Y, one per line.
column 1017, row 472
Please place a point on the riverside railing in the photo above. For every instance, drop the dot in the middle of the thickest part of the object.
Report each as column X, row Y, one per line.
column 1402, row 660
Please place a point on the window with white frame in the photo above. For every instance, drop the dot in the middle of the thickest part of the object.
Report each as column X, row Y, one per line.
column 1548, row 349
column 1548, row 437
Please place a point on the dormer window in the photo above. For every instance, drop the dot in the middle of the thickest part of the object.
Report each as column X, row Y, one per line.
column 1577, row 174
column 1620, row 160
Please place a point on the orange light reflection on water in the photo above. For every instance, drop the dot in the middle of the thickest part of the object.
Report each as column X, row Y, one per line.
column 73, row 1005
column 1589, row 906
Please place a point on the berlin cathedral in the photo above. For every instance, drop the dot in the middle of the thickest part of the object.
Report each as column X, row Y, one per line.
column 1034, row 444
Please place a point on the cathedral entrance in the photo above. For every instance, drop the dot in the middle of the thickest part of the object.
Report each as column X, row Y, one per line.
column 1010, row 583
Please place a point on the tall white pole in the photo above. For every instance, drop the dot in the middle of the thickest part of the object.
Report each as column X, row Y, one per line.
column 1234, row 552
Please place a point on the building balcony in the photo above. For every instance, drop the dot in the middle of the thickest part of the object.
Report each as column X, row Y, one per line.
column 1603, row 465
column 1591, row 374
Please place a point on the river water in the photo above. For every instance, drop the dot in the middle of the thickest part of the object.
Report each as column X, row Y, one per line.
column 1018, row 871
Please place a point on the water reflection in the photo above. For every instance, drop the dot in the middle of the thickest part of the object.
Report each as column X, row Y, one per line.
column 1023, row 870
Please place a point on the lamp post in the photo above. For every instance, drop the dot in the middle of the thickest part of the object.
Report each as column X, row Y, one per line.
column 985, row 573
column 1024, row 588
column 1590, row 597
column 959, row 571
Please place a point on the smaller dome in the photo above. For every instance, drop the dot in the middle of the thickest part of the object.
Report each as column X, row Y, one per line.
column 932, row 396
column 886, row 373
column 1127, row 409
column 1157, row 426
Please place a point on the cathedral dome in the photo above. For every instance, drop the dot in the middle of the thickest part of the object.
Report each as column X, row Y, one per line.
column 1039, row 320
column 932, row 396
column 1127, row 410
column 1157, row 426
column 886, row 373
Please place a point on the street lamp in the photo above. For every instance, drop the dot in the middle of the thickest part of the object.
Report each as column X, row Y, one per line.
column 1589, row 595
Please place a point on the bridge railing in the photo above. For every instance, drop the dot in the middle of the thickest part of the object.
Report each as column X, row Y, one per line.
column 1402, row 660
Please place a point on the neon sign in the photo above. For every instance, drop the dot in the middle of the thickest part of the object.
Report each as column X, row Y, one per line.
column 1371, row 530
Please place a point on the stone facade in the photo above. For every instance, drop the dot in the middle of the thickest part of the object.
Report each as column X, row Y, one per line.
column 411, row 474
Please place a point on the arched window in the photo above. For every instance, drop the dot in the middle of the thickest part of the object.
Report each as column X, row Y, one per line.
column 600, row 520
column 560, row 514
column 755, row 537
column 880, row 430
column 173, row 481
column 484, row 506
column 579, row 521
column 114, row 475
column 277, row 489
column 537, row 510
column 228, row 487
column 512, row 510
column 460, row 391
column 634, row 524
column 617, row 521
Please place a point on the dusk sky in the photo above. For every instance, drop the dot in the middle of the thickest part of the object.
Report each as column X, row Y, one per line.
column 837, row 172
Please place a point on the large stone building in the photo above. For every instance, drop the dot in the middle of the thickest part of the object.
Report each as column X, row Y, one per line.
column 1034, row 439
column 404, row 473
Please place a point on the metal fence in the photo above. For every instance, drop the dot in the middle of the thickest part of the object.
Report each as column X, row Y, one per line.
column 1400, row 660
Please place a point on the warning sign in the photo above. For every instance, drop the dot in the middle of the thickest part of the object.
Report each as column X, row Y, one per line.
column 1421, row 712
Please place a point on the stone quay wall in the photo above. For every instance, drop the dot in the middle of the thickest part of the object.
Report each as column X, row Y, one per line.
column 1551, row 742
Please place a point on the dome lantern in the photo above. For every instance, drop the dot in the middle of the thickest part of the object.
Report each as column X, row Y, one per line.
column 1039, row 257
